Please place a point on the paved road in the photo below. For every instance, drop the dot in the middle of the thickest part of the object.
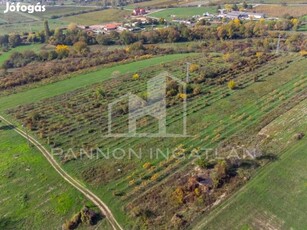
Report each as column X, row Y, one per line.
column 86, row 192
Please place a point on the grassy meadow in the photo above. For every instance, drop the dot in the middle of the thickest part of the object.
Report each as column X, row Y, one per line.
column 279, row 10
column 14, row 17
column 34, row 26
column 98, row 17
column 32, row 193
column 60, row 10
column 22, row 22
column 276, row 197
column 158, row 3
column 182, row 12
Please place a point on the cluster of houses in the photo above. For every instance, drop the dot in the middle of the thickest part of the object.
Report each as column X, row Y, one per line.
column 119, row 27
column 240, row 15
column 140, row 19
column 139, row 12
column 137, row 18
column 216, row 18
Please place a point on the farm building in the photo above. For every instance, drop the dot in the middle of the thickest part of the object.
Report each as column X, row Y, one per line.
column 255, row 15
column 139, row 11
column 241, row 15
column 111, row 27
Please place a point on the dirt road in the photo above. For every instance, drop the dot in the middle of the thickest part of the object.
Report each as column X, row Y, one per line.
column 86, row 192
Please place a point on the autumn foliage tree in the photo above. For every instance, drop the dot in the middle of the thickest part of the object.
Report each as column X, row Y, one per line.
column 193, row 68
column 81, row 47
column 62, row 51
column 232, row 84
column 179, row 195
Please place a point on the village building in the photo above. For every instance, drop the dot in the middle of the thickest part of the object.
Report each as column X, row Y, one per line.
column 110, row 27
column 139, row 11
column 240, row 15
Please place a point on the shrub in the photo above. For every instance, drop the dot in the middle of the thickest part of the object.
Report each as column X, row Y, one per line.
column 100, row 93
column 197, row 90
column 232, row 84
column 204, row 163
column 197, row 192
column 81, row 47
column 182, row 96
column 179, row 195
column 303, row 53
column 135, row 76
column 193, row 68
column 147, row 165
column 155, row 177
column 35, row 116
column 228, row 57
column 299, row 136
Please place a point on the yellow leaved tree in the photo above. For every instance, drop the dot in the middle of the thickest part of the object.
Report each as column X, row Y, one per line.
column 62, row 51
column 135, row 76
column 232, row 84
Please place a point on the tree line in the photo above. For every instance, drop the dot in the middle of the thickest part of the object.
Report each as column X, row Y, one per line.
column 177, row 33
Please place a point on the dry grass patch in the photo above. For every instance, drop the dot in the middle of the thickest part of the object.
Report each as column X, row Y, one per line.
column 279, row 11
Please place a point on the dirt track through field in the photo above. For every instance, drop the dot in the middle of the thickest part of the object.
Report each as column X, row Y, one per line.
column 86, row 192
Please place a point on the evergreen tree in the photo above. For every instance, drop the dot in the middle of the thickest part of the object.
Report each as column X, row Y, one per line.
column 47, row 30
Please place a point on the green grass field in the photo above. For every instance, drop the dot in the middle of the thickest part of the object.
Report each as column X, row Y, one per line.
column 182, row 13
column 276, row 197
column 32, row 193
column 99, row 17
column 157, row 3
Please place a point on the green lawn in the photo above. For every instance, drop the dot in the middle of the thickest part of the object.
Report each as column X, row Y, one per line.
column 276, row 198
column 183, row 13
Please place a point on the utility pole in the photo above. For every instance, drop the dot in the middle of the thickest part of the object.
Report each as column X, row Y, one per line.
column 278, row 45
column 188, row 72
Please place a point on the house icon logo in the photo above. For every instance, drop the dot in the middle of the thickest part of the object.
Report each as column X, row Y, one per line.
column 155, row 106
